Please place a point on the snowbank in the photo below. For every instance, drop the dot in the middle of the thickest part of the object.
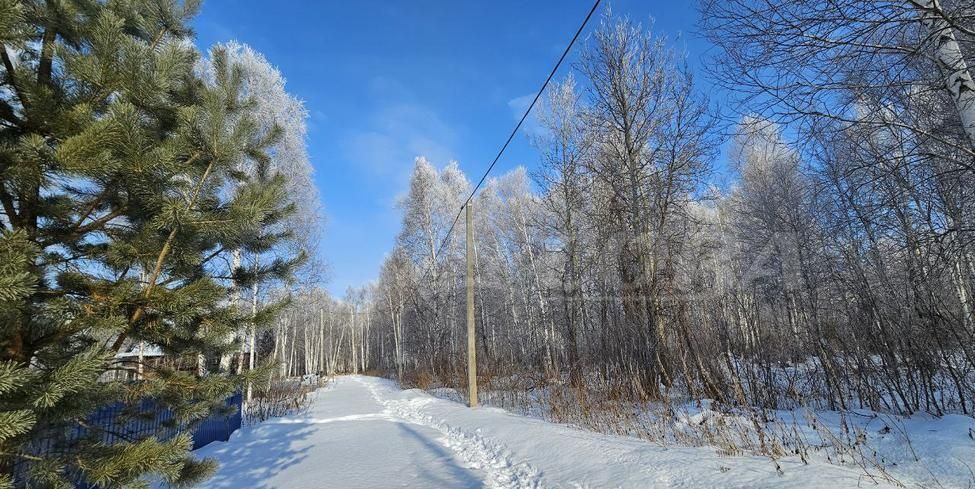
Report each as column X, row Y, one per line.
column 364, row 432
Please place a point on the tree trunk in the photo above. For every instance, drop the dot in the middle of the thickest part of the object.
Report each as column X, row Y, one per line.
column 951, row 61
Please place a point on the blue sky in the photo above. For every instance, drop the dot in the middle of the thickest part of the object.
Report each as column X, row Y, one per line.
column 385, row 81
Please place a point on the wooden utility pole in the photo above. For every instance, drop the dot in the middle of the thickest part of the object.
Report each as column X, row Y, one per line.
column 471, row 351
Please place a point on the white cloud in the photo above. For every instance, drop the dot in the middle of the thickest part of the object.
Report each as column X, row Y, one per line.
column 518, row 105
column 380, row 149
column 315, row 120
column 394, row 135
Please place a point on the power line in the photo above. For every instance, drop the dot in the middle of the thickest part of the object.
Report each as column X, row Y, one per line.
column 511, row 136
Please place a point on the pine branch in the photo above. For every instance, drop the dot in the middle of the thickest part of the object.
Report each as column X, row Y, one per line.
column 213, row 255
column 8, row 207
column 164, row 253
column 91, row 226
column 99, row 97
column 8, row 114
column 9, row 66
column 14, row 423
column 12, row 376
column 95, row 202
column 46, row 64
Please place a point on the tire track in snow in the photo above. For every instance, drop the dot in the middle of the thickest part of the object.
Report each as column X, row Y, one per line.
column 477, row 451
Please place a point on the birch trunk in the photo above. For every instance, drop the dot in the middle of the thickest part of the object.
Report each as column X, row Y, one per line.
column 306, row 356
column 547, row 322
column 226, row 358
column 951, row 61
column 321, row 340
column 365, row 343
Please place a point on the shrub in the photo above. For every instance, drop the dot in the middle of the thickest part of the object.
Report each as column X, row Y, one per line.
column 280, row 398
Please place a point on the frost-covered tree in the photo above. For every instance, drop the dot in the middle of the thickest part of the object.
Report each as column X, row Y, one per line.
column 813, row 61
column 393, row 290
column 879, row 95
column 654, row 144
column 281, row 115
column 567, row 150
column 429, row 209
column 279, row 112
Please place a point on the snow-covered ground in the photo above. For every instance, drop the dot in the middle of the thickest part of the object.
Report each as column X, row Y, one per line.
column 364, row 432
column 919, row 451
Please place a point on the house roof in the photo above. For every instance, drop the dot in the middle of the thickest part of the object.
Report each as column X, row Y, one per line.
column 148, row 351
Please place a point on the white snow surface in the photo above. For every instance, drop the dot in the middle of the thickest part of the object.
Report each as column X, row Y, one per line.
column 364, row 432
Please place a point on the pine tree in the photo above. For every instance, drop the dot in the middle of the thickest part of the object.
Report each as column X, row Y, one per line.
column 121, row 202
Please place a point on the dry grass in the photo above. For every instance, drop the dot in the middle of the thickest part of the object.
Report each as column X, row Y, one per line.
column 280, row 398
column 614, row 408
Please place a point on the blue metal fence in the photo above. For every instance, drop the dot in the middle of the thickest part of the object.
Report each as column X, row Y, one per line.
column 219, row 428
column 116, row 422
column 153, row 421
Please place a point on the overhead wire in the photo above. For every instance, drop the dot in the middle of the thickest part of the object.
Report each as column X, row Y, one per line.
column 511, row 137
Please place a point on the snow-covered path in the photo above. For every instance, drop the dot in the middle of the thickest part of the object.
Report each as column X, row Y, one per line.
column 364, row 432
column 346, row 439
